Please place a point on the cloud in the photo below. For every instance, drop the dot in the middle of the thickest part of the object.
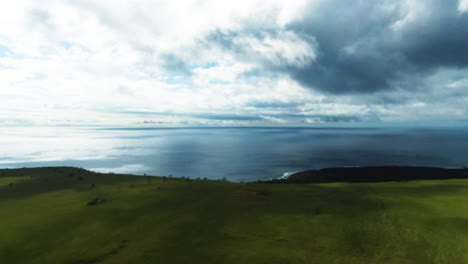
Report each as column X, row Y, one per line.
column 283, row 48
column 274, row 119
column 128, row 168
column 372, row 46
column 463, row 6
column 232, row 63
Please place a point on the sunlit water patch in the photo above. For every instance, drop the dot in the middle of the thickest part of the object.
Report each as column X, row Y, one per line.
column 238, row 154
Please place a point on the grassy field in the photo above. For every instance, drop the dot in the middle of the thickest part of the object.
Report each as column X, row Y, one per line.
column 45, row 218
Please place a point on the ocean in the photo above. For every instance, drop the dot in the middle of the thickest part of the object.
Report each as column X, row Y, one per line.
column 238, row 154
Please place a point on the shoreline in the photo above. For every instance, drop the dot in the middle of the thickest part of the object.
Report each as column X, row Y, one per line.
column 362, row 174
column 370, row 174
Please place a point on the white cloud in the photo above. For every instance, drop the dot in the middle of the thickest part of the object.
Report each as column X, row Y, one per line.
column 463, row 6
column 71, row 57
column 412, row 11
column 129, row 168
column 285, row 49
column 103, row 62
column 274, row 119
column 314, row 120
column 229, row 73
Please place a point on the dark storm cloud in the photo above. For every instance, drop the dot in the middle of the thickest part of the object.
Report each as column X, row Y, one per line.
column 444, row 43
column 370, row 46
column 361, row 51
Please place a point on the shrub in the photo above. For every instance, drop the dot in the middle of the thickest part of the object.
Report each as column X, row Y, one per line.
column 96, row 201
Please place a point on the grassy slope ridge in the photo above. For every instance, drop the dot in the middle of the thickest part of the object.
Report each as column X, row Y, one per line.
column 44, row 218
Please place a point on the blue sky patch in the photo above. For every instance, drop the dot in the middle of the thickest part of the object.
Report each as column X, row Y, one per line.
column 4, row 51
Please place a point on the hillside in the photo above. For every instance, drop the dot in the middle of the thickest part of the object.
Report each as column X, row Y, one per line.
column 69, row 215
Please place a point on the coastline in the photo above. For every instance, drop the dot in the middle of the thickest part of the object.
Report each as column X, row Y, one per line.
column 369, row 174
column 355, row 174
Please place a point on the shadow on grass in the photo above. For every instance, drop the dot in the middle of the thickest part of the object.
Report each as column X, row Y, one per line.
column 43, row 180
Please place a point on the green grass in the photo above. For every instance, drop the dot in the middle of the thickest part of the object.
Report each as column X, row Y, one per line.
column 44, row 218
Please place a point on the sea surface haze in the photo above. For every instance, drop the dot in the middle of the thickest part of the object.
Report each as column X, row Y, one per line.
column 239, row 154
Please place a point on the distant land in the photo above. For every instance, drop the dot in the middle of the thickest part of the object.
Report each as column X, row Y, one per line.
column 373, row 174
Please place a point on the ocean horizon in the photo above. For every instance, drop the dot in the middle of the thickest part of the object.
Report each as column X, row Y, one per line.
column 235, row 153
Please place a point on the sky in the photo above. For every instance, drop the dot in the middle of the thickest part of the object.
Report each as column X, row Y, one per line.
column 233, row 63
